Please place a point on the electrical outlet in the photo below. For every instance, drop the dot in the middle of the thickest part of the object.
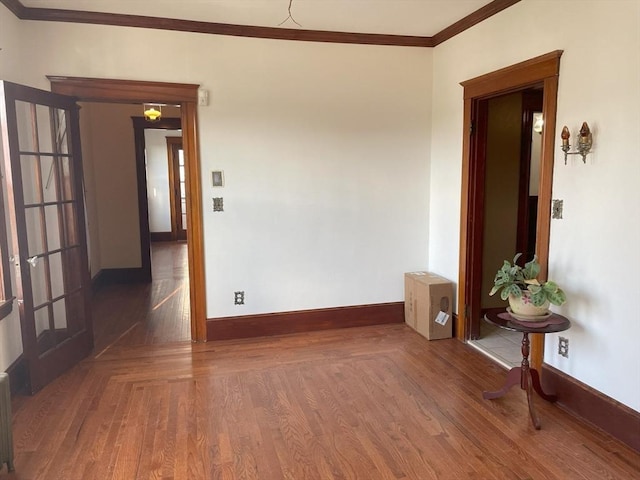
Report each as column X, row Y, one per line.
column 563, row 347
column 238, row 298
column 556, row 210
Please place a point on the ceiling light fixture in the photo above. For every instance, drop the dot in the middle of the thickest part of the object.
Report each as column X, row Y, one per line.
column 152, row 113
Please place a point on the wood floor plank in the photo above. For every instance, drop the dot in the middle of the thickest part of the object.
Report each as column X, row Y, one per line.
column 370, row 403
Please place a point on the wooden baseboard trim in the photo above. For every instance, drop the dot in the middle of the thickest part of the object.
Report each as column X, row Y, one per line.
column 228, row 328
column 96, row 282
column 111, row 276
column 18, row 376
column 161, row 236
column 613, row 417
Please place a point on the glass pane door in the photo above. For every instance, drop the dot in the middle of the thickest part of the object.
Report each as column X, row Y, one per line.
column 45, row 177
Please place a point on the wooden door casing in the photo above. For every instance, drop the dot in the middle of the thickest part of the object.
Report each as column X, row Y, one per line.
column 186, row 95
column 177, row 206
column 539, row 70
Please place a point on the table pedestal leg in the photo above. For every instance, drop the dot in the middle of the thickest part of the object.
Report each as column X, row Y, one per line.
column 513, row 378
column 529, row 382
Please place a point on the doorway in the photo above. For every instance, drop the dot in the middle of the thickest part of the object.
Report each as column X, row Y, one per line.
column 538, row 73
column 161, row 170
column 509, row 167
column 185, row 95
column 177, row 188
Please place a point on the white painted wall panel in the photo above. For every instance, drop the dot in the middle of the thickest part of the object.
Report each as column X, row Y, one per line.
column 325, row 150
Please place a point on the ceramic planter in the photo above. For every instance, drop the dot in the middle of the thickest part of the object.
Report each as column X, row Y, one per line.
column 522, row 306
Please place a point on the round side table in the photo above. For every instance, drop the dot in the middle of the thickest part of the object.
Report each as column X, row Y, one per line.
column 528, row 378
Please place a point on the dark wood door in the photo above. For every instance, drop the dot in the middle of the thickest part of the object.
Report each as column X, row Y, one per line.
column 178, row 186
column 43, row 170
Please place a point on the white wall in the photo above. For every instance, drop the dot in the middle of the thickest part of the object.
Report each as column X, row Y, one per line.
column 158, row 178
column 10, row 57
column 109, row 153
column 10, row 333
column 594, row 249
column 10, row 45
column 325, row 150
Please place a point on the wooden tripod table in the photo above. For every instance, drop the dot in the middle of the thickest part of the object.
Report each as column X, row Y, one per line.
column 527, row 377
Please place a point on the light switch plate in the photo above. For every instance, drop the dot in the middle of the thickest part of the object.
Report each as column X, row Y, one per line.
column 217, row 178
column 218, row 204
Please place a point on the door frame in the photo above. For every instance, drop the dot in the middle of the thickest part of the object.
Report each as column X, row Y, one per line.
column 178, row 230
column 185, row 95
column 544, row 70
column 140, row 124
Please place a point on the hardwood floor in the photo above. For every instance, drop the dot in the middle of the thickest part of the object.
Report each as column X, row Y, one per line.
column 361, row 403
column 137, row 314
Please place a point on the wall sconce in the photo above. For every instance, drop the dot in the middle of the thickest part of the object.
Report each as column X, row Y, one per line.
column 585, row 141
column 151, row 113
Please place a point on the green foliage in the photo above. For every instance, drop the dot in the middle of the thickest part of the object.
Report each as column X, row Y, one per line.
column 512, row 279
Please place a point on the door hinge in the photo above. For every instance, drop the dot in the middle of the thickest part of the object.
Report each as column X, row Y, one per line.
column 466, row 311
column 472, row 127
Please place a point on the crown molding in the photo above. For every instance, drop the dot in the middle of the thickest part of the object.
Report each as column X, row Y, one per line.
column 139, row 21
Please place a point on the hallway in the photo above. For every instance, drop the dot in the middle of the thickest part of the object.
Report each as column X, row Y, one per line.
column 146, row 314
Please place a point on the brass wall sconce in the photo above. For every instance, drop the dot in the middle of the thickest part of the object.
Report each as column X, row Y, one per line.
column 585, row 141
column 152, row 113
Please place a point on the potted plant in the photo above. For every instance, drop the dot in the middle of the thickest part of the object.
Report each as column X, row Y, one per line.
column 527, row 296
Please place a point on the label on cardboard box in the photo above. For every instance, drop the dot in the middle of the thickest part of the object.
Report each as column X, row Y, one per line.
column 442, row 318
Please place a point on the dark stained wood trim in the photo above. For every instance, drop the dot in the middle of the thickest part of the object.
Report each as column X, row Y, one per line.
column 543, row 224
column 464, row 326
column 514, row 77
column 97, row 281
column 544, row 70
column 110, row 276
column 249, row 326
column 469, row 21
column 16, row 7
column 174, row 145
column 531, row 103
column 139, row 126
column 18, row 373
column 165, row 123
column 125, row 91
column 252, row 31
column 195, row 230
column 613, row 417
column 478, row 169
column 161, row 236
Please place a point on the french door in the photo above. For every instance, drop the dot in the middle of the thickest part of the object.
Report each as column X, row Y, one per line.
column 43, row 171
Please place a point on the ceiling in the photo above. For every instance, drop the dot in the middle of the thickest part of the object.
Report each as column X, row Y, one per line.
column 423, row 18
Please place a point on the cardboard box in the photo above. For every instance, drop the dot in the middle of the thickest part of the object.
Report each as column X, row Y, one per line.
column 410, row 297
column 428, row 304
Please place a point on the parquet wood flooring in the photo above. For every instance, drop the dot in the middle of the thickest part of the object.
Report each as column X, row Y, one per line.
column 364, row 403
